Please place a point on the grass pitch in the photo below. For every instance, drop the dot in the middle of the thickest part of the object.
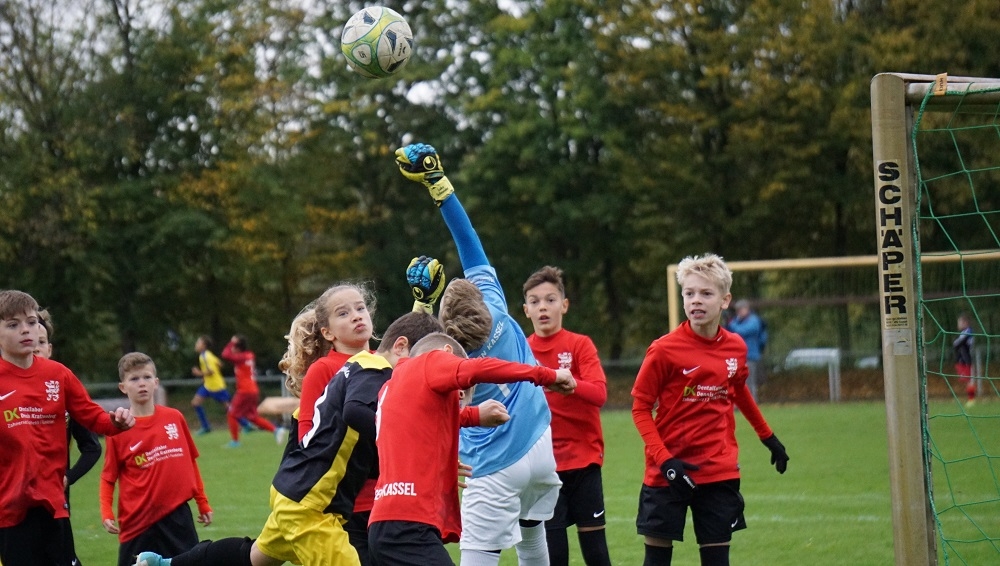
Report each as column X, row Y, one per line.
column 831, row 507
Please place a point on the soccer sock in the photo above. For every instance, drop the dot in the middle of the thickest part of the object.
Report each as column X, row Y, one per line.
column 558, row 547
column 532, row 550
column 594, row 547
column 658, row 555
column 234, row 428
column 263, row 424
column 480, row 558
column 223, row 552
column 202, row 417
column 714, row 555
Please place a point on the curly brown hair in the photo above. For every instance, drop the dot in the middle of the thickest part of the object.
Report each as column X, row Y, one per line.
column 465, row 315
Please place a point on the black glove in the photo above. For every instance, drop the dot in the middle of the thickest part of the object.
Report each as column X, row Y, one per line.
column 778, row 455
column 682, row 484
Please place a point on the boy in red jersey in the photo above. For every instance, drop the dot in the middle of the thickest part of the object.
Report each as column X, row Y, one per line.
column 577, row 438
column 35, row 396
column 154, row 466
column 693, row 376
column 314, row 490
column 244, row 404
column 416, row 506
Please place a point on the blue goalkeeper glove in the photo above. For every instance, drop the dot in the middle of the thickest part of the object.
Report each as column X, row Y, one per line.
column 426, row 278
column 420, row 162
column 681, row 483
column 779, row 458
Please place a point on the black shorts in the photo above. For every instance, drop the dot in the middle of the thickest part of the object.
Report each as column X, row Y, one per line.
column 37, row 539
column 357, row 533
column 716, row 509
column 401, row 543
column 168, row 537
column 581, row 499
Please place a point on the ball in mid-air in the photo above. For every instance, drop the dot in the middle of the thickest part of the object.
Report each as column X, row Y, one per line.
column 377, row 42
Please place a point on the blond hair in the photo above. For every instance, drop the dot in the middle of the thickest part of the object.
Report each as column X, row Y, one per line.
column 465, row 315
column 134, row 360
column 304, row 348
column 709, row 266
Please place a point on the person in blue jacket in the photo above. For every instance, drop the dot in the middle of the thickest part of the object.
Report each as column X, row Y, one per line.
column 753, row 330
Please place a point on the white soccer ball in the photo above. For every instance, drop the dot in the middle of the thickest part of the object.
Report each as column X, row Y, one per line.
column 377, row 42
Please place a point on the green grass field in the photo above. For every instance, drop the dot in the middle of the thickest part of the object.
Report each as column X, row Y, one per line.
column 831, row 507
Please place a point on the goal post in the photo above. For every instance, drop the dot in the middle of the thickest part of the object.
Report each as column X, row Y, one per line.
column 895, row 212
column 926, row 206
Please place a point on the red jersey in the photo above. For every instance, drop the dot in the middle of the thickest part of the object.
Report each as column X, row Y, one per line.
column 695, row 381
column 245, row 368
column 154, row 466
column 417, row 435
column 33, row 435
column 577, row 438
column 318, row 375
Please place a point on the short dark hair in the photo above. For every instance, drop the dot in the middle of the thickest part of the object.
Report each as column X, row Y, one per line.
column 207, row 341
column 412, row 325
column 434, row 341
column 45, row 319
column 134, row 360
column 547, row 274
column 240, row 342
column 16, row 302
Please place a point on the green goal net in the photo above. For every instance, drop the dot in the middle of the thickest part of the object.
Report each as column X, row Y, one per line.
column 936, row 142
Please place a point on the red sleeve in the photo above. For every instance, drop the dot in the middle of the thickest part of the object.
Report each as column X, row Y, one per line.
column 234, row 357
column 469, row 416
column 642, row 416
column 644, row 396
column 313, row 385
column 200, row 498
column 744, row 400
column 85, row 411
column 591, row 384
column 107, row 496
column 492, row 370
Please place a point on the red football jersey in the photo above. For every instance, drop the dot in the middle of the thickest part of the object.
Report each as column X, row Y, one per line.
column 244, row 366
column 577, row 437
column 417, row 435
column 33, row 435
column 154, row 465
column 694, row 383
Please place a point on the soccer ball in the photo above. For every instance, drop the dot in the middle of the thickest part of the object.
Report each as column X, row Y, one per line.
column 377, row 42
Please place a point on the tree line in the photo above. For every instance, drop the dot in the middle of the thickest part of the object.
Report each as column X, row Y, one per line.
column 173, row 168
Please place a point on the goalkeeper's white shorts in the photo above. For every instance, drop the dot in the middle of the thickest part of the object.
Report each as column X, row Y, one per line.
column 492, row 505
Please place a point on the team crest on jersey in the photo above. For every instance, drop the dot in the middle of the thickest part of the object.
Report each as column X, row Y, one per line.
column 565, row 360
column 52, row 390
column 732, row 364
column 171, row 430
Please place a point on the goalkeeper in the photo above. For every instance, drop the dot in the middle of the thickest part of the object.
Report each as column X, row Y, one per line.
column 514, row 486
column 694, row 376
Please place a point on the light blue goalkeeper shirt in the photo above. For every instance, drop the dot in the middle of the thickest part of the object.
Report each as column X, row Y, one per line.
column 490, row 449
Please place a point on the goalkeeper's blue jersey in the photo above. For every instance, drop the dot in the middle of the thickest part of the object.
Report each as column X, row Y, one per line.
column 489, row 449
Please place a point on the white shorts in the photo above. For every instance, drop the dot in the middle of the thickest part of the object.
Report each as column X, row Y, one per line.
column 492, row 505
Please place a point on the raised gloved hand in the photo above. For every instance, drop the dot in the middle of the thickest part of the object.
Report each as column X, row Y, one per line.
column 681, row 483
column 779, row 458
column 426, row 278
column 420, row 162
